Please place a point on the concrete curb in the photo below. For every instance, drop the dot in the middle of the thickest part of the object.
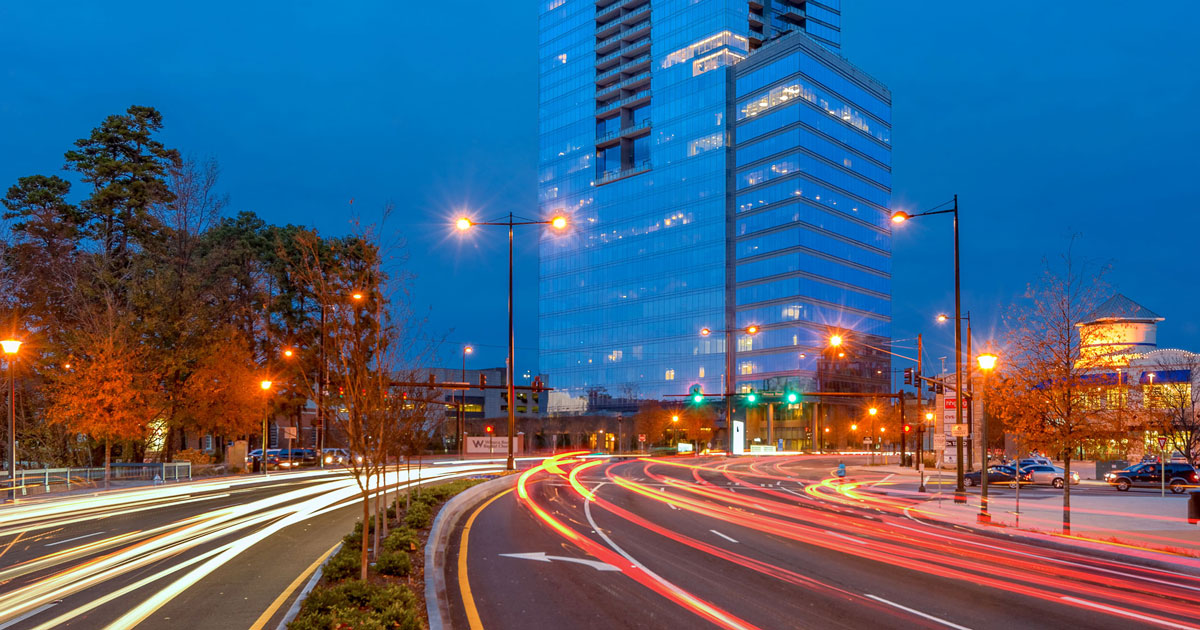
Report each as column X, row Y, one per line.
column 303, row 594
column 437, row 604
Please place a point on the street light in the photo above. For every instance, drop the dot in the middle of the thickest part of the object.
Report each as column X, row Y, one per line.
column 465, row 223
column 675, row 429
column 462, row 401
column 872, row 411
column 266, row 386
column 987, row 361
column 11, row 346
column 898, row 218
column 835, row 341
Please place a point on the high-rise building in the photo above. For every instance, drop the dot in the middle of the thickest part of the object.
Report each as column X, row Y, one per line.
column 723, row 167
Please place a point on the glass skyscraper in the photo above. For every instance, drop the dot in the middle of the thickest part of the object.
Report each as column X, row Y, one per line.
column 722, row 167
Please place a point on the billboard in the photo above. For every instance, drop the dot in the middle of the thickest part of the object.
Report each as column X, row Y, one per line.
column 491, row 445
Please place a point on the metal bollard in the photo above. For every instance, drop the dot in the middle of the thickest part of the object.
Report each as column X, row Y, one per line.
column 1194, row 507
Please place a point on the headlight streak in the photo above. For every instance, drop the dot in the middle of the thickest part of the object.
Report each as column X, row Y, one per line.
column 984, row 563
column 161, row 543
column 639, row 575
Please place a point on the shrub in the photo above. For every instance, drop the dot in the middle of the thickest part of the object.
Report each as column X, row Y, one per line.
column 419, row 516
column 394, row 563
column 359, row 605
column 402, row 539
column 196, row 457
column 343, row 565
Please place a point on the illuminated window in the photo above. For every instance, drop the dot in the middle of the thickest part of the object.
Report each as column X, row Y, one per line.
column 745, row 343
column 724, row 38
column 701, row 371
column 554, row 4
column 670, row 375
column 746, row 367
column 562, row 58
column 706, row 143
column 714, row 61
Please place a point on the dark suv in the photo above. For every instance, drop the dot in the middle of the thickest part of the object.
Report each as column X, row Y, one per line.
column 1179, row 477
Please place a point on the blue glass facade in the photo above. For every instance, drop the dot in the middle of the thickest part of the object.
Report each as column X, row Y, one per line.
column 812, row 236
column 639, row 100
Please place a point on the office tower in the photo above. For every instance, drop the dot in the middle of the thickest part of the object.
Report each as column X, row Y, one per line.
column 723, row 167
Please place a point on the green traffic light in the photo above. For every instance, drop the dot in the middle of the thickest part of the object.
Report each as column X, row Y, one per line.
column 792, row 397
column 698, row 398
column 752, row 398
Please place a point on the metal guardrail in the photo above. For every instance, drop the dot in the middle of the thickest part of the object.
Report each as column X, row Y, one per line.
column 45, row 480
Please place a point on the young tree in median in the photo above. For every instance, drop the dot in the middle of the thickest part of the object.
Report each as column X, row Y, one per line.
column 1046, row 383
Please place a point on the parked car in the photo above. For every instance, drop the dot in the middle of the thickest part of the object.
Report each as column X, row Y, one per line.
column 1179, row 477
column 297, row 457
column 1036, row 461
column 1043, row 474
column 1001, row 473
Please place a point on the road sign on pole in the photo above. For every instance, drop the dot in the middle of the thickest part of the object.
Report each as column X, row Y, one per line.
column 1162, row 442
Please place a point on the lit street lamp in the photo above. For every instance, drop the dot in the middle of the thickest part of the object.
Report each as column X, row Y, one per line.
column 266, row 386
column 11, row 346
column 898, row 218
column 463, row 224
column 987, row 361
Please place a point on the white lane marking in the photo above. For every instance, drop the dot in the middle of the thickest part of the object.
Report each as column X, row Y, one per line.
column 884, row 479
column 1126, row 613
column 722, row 535
column 30, row 614
column 63, row 542
column 587, row 510
column 540, row 556
column 673, row 506
column 917, row 612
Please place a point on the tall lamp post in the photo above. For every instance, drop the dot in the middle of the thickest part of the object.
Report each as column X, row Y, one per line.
column 987, row 361
column 11, row 346
column 464, row 224
column 266, row 387
column 899, row 217
column 462, row 400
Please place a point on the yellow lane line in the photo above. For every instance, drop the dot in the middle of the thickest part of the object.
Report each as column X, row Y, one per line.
column 262, row 620
column 463, row 585
column 11, row 543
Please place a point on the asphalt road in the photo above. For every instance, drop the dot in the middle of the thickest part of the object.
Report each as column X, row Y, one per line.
column 226, row 553
column 772, row 543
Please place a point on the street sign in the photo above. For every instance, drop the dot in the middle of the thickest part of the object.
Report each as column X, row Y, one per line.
column 641, row 437
column 958, row 430
column 289, row 433
column 867, row 440
column 1162, row 442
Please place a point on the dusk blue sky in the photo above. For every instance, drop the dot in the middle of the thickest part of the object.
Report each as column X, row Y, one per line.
column 1048, row 119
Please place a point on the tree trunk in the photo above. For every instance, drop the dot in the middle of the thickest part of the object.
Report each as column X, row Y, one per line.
column 408, row 481
column 366, row 534
column 1067, row 492
column 107, row 461
column 378, row 520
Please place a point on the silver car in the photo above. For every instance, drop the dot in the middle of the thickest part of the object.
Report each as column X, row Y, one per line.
column 1041, row 474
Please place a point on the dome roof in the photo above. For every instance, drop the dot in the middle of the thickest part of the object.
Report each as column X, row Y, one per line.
column 1121, row 308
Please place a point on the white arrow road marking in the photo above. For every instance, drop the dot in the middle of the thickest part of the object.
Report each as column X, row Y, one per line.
column 722, row 535
column 540, row 556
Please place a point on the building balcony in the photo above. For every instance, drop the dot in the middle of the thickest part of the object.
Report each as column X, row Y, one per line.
column 628, row 101
column 632, row 50
column 609, row 43
column 636, row 129
column 607, row 92
column 634, row 65
column 612, row 176
column 634, row 16
column 757, row 19
column 791, row 14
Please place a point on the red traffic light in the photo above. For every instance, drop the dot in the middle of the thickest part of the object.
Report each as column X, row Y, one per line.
column 488, row 429
column 907, row 428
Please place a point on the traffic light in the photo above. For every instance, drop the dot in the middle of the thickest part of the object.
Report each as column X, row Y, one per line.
column 697, row 394
column 482, row 380
column 790, row 397
column 908, row 376
column 488, row 429
column 939, row 388
column 752, row 397
column 908, row 428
